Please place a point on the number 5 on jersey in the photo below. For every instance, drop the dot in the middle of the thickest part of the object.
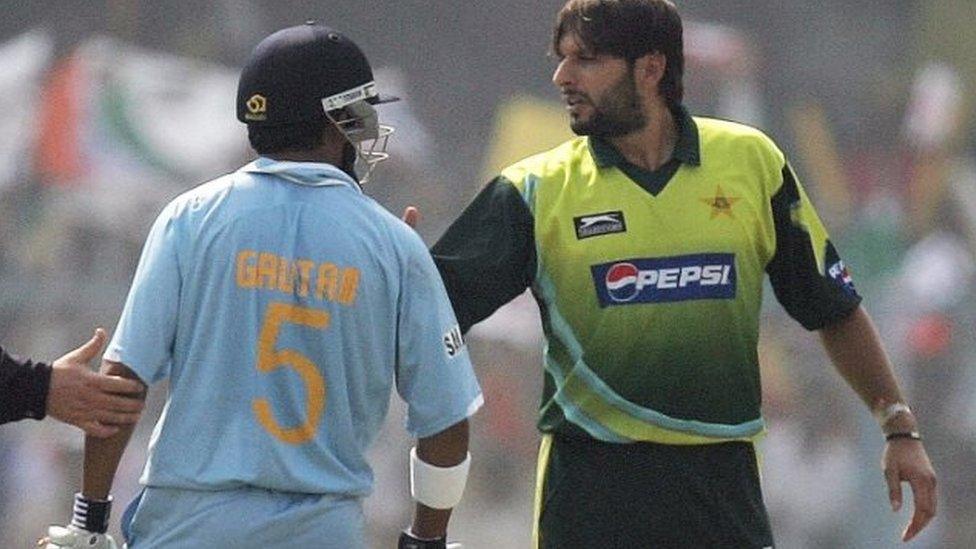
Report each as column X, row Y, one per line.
column 270, row 359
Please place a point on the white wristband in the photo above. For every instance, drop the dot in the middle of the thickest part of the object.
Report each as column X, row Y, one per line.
column 437, row 487
column 891, row 411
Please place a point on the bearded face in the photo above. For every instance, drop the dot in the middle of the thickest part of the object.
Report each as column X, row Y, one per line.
column 599, row 90
column 614, row 113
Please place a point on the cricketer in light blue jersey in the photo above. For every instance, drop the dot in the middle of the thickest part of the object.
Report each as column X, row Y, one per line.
column 282, row 303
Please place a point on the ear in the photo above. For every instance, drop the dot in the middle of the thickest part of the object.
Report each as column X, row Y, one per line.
column 649, row 70
column 331, row 135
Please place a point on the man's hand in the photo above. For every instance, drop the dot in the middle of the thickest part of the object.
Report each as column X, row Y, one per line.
column 61, row 537
column 905, row 460
column 94, row 402
column 411, row 216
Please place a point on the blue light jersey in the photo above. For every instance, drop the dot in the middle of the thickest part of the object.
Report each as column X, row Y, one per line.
column 282, row 303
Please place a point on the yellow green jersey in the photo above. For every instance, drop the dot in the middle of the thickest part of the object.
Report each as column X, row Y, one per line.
column 649, row 283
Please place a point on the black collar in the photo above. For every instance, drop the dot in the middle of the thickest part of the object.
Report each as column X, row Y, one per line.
column 686, row 149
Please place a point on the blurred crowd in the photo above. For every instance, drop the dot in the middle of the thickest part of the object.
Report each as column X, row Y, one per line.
column 115, row 106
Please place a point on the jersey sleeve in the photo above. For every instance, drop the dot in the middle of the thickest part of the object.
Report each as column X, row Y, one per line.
column 146, row 331
column 24, row 387
column 434, row 375
column 808, row 276
column 487, row 257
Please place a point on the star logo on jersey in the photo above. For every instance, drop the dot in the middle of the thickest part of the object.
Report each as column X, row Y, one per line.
column 720, row 203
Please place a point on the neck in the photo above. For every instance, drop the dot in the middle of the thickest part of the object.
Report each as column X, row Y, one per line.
column 329, row 151
column 651, row 146
column 320, row 154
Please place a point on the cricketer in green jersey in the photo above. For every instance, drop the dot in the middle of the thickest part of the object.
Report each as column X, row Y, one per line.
column 645, row 242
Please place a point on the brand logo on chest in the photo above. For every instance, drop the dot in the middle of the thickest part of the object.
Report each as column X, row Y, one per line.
column 665, row 279
column 599, row 224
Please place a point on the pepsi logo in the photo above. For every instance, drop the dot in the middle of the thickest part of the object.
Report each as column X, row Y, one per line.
column 622, row 282
column 838, row 271
column 665, row 279
column 839, row 274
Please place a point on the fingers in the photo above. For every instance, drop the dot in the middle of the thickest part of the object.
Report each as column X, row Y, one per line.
column 908, row 462
column 98, row 430
column 102, row 399
column 106, row 417
column 106, row 413
column 115, row 403
column 102, row 415
column 924, row 495
column 90, row 349
column 112, row 408
column 411, row 216
column 894, row 488
column 117, row 384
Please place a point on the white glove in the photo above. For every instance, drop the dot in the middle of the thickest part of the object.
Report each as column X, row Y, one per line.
column 72, row 536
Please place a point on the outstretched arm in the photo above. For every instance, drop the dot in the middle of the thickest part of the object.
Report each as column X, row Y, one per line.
column 855, row 349
column 68, row 391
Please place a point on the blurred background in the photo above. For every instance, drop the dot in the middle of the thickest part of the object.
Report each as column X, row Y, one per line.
column 115, row 106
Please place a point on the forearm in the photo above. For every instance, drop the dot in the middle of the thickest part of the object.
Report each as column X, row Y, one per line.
column 430, row 523
column 445, row 449
column 102, row 455
column 855, row 349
